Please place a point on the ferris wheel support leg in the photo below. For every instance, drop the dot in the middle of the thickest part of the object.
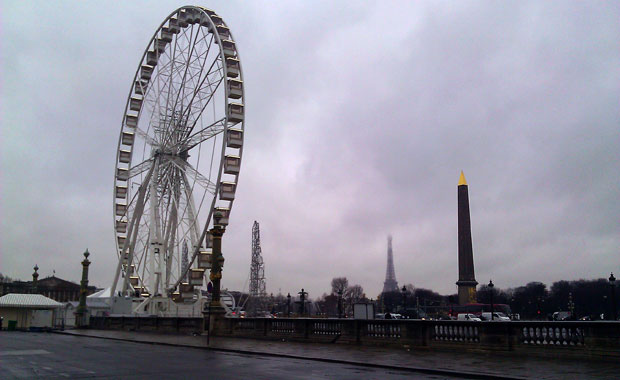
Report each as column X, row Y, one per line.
column 132, row 245
column 155, row 259
column 169, row 243
column 142, row 304
column 194, row 233
column 133, row 227
column 137, row 215
column 196, row 242
column 169, row 237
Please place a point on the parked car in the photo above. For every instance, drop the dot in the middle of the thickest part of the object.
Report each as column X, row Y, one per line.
column 497, row 316
column 468, row 317
column 561, row 316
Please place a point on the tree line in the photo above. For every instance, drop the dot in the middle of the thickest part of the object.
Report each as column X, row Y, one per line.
column 583, row 298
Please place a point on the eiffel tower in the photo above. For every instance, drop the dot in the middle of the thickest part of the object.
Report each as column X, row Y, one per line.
column 390, row 284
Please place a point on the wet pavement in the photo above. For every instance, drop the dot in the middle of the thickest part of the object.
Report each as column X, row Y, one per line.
column 51, row 356
column 441, row 363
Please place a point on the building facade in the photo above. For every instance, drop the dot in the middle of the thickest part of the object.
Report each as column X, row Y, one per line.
column 53, row 287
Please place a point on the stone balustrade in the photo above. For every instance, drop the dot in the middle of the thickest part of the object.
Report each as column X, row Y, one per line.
column 150, row 324
column 560, row 339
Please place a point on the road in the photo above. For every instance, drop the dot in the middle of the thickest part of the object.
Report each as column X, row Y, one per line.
column 48, row 356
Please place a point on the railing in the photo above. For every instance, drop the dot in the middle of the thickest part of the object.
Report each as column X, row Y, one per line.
column 383, row 329
column 539, row 338
column 153, row 324
column 324, row 327
column 527, row 337
column 559, row 336
column 456, row 333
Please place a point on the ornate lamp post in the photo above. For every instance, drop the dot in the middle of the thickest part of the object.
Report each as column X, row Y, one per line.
column 339, row 303
column 215, row 311
column 612, row 283
column 273, row 304
column 288, row 305
column 404, row 291
column 571, row 306
column 302, row 300
column 35, row 279
column 451, row 301
column 491, row 291
column 81, row 309
column 218, row 259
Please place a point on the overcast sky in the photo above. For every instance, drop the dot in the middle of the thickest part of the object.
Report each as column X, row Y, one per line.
column 359, row 118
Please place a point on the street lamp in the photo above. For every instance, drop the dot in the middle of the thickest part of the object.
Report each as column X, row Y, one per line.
column 612, row 283
column 451, row 300
column 273, row 304
column 491, row 288
column 404, row 291
column 288, row 305
column 302, row 300
column 81, row 309
column 340, row 303
column 571, row 305
column 217, row 259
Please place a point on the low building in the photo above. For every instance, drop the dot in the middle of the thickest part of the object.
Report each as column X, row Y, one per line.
column 28, row 311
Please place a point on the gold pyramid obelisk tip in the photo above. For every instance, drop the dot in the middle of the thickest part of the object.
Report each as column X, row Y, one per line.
column 462, row 180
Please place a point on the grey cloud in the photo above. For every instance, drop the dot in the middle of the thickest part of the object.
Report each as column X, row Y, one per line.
column 359, row 120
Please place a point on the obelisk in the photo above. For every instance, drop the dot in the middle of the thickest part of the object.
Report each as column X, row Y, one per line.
column 467, row 281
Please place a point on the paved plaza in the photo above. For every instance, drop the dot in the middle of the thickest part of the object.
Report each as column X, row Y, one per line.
column 286, row 360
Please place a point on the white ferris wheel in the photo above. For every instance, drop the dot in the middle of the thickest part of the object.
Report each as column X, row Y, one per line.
column 179, row 155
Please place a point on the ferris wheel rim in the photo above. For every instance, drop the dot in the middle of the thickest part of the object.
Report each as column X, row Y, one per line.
column 225, row 77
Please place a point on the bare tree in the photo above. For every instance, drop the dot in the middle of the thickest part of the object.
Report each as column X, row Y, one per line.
column 352, row 295
column 339, row 284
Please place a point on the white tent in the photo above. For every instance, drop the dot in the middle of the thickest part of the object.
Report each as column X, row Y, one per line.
column 105, row 293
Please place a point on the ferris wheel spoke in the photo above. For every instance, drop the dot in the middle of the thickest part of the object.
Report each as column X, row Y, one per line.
column 181, row 92
column 168, row 87
column 149, row 140
column 195, row 175
column 204, row 104
column 198, row 80
column 202, row 135
column 206, row 94
column 188, row 98
column 140, row 168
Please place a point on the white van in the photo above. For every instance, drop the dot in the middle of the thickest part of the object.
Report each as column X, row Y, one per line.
column 497, row 316
column 468, row 317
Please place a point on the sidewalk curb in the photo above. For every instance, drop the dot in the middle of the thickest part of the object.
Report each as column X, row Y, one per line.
column 430, row 371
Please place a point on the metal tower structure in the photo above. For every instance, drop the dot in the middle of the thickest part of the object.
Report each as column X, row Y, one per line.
column 257, row 269
column 390, row 284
